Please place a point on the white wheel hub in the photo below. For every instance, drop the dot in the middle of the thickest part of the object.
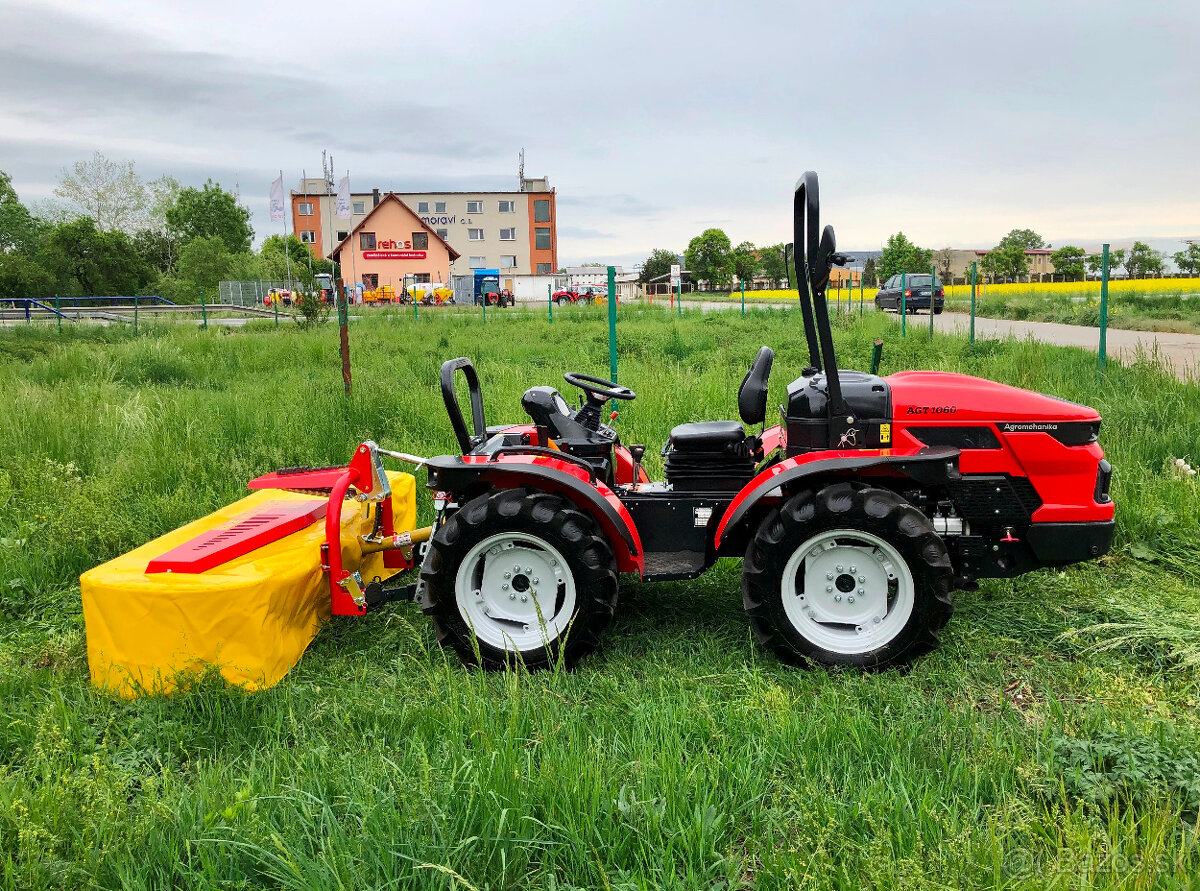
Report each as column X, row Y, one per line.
column 515, row 591
column 847, row 591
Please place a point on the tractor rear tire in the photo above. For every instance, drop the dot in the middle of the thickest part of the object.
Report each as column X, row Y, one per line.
column 484, row 565
column 563, row 301
column 816, row 553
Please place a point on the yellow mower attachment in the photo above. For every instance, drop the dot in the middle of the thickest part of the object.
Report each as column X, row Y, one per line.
column 244, row 589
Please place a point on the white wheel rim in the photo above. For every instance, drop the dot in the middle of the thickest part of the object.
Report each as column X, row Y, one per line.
column 847, row 591
column 515, row 591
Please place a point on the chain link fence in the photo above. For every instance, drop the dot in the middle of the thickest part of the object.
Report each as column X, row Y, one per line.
column 249, row 293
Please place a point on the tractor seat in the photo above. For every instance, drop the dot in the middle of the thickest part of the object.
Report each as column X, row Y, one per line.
column 707, row 436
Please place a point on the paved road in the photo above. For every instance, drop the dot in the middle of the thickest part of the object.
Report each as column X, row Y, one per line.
column 1182, row 351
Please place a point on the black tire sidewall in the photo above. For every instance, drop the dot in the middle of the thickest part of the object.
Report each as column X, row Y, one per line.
column 879, row 512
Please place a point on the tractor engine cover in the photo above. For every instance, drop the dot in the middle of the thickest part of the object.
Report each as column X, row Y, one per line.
column 807, row 413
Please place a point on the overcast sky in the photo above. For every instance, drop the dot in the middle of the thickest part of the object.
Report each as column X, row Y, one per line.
column 954, row 122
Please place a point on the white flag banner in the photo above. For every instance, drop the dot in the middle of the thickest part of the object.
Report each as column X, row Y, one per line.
column 343, row 204
column 277, row 211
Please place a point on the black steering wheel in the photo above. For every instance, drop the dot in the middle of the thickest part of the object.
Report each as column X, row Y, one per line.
column 597, row 388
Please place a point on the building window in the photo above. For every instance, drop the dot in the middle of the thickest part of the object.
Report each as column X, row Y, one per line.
column 421, row 278
column 360, row 207
column 508, row 234
column 439, row 207
column 304, row 208
column 308, row 237
column 422, row 207
column 541, row 210
column 508, row 206
column 420, row 241
column 478, row 262
column 508, row 261
column 474, row 207
column 366, row 241
column 474, row 235
column 342, row 236
column 443, row 234
column 370, row 280
column 543, row 269
column 542, row 238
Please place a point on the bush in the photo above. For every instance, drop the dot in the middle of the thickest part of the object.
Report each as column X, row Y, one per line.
column 309, row 310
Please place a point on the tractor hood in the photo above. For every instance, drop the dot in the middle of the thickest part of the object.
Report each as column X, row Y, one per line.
column 942, row 395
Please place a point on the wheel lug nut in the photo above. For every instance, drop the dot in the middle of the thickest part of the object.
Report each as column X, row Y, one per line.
column 508, row 575
column 536, row 580
column 524, row 598
column 829, row 576
column 850, row 599
column 862, row 579
column 854, row 569
column 839, row 567
column 862, row 591
column 512, row 596
column 529, row 569
column 516, row 567
column 504, row 587
column 837, row 598
column 829, row 589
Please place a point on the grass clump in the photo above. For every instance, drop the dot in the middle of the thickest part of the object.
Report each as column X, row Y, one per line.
column 678, row 756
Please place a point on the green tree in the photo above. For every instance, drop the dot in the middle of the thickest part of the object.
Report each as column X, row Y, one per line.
column 95, row 262
column 1188, row 262
column 275, row 264
column 901, row 255
column 870, row 274
column 1006, row 261
column 772, row 264
column 658, row 263
column 1068, row 262
column 1115, row 259
column 22, row 277
column 708, row 256
column 743, row 261
column 19, row 229
column 203, row 262
column 211, row 211
column 1027, row 239
column 1143, row 261
column 113, row 195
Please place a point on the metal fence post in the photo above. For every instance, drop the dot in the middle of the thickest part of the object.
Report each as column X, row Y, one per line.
column 904, row 304
column 932, row 282
column 203, row 311
column 58, row 312
column 550, row 302
column 135, row 313
column 679, row 298
column 275, row 302
column 743, row 298
column 861, row 284
column 344, row 342
column 1103, row 308
column 612, row 322
column 974, row 265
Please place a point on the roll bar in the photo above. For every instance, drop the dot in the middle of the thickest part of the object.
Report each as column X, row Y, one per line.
column 815, row 256
column 465, row 441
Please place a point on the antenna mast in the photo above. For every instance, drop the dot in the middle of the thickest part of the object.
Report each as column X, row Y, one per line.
column 521, row 173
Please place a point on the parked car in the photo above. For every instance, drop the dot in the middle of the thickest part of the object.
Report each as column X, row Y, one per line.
column 916, row 294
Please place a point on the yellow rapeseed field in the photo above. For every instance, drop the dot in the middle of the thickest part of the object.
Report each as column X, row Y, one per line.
column 1116, row 286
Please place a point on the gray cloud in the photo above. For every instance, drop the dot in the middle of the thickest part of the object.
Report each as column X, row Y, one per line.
column 954, row 122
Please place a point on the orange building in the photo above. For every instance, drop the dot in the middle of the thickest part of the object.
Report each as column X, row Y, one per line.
column 389, row 244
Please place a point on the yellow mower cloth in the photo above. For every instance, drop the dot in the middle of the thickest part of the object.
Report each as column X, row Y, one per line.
column 251, row 617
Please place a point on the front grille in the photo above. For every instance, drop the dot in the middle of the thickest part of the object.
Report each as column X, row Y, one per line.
column 995, row 500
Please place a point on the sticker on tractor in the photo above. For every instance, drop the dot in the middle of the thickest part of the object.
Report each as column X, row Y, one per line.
column 701, row 516
column 885, row 433
column 931, row 409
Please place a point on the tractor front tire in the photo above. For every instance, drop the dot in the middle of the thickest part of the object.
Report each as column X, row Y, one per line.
column 518, row 576
column 563, row 301
column 849, row 576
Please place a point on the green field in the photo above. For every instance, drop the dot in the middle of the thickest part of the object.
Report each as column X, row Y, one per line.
column 1051, row 741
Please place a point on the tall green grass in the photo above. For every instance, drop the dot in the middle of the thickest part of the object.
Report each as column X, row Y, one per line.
column 680, row 755
column 1138, row 311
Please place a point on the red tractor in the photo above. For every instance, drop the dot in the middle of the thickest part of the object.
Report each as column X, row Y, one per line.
column 857, row 516
column 571, row 294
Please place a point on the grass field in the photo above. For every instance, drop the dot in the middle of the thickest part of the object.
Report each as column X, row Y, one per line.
column 1050, row 742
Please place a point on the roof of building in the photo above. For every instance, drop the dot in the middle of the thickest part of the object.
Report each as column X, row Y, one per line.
column 391, row 196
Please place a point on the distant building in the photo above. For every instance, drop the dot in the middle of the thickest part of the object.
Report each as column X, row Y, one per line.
column 515, row 232
column 960, row 260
